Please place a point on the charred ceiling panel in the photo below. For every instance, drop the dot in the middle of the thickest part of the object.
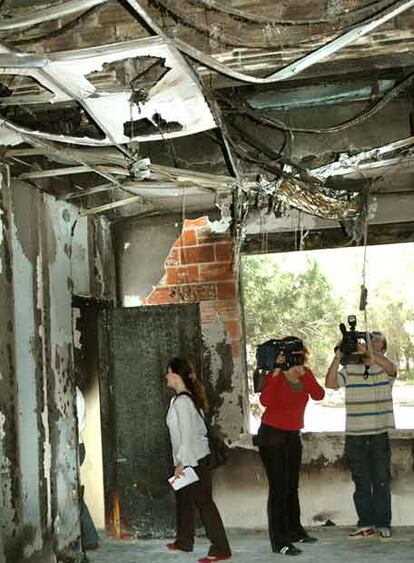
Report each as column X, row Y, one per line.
column 175, row 95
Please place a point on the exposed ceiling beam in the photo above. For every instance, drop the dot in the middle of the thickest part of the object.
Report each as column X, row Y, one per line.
column 137, row 187
column 26, row 100
column 365, row 160
column 89, row 191
column 112, row 205
column 50, row 147
column 42, row 15
column 72, row 170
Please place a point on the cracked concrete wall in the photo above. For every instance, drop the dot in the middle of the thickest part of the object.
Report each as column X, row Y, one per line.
column 325, row 486
column 44, row 257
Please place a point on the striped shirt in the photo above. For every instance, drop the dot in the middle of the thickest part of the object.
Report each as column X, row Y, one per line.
column 368, row 402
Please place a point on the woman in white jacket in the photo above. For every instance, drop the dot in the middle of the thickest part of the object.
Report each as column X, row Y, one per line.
column 188, row 433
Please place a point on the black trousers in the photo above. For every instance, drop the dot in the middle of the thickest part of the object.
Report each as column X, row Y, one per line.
column 199, row 494
column 282, row 461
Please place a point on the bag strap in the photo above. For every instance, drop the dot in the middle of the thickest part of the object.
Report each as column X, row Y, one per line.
column 203, row 418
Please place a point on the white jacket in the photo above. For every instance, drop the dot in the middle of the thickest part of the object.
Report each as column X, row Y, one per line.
column 188, row 432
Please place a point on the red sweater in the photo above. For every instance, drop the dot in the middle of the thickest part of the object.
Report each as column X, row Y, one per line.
column 285, row 407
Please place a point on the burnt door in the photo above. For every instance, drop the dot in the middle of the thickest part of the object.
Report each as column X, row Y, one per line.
column 136, row 344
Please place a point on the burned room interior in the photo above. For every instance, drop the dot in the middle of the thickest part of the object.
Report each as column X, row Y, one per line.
column 146, row 146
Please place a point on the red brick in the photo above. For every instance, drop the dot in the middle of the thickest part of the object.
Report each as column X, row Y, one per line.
column 182, row 274
column 227, row 310
column 233, row 328
column 226, row 290
column 197, row 254
column 173, row 258
column 194, row 292
column 223, row 310
column 207, row 311
column 195, row 223
column 188, row 238
column 216, row 272
column 161, row 296
column 224, row 252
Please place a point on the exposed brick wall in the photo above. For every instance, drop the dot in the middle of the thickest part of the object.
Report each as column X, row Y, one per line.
column 199, row 268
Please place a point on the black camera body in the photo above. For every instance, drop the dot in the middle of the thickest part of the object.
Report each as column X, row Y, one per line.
column 350, row 340
column 268, row 353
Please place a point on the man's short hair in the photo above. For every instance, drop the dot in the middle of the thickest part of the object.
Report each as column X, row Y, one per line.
column 380, row 336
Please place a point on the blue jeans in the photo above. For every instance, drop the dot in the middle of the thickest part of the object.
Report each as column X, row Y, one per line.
column 368, row 457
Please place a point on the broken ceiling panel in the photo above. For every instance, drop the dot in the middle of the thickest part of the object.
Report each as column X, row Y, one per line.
column 174, row 105
column 66, row 118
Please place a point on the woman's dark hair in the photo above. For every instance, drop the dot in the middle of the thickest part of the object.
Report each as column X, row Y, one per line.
column 306, row 352
column 183, row 368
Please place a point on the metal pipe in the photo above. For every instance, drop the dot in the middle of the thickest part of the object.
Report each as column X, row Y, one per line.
column 48, row 14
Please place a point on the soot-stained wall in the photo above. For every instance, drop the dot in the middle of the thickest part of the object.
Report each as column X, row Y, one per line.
column 46, row 254
column 194, row 264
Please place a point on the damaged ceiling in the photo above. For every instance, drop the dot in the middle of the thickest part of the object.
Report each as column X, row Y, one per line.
column 152, row 106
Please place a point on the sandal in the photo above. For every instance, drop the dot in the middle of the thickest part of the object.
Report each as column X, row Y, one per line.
column 361, row 533
column 174, row 547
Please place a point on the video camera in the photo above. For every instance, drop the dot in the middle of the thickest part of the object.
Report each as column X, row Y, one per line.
column 350, row 340
column 290, row 348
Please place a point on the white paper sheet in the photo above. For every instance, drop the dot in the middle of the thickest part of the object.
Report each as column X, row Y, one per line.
column 190, row 476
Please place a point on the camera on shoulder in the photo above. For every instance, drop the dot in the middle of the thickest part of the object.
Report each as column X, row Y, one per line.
column 351, row 339
column 268, row 354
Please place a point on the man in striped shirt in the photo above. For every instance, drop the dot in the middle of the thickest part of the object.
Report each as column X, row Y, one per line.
column 369, row 417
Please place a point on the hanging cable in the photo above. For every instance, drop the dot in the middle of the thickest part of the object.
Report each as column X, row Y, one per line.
column 249, row 17
column 228, row 40
column 244, row 109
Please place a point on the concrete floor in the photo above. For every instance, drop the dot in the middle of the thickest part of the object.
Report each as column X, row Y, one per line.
column 333, row 547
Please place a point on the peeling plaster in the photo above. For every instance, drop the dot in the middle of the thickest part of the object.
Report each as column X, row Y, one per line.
column 372, row 208
column 225, row 377
column 2, row 432
column 77, row 335
column 213, row 333
column 24, row 253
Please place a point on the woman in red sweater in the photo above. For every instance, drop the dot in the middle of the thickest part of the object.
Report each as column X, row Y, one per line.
column 284, row 396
